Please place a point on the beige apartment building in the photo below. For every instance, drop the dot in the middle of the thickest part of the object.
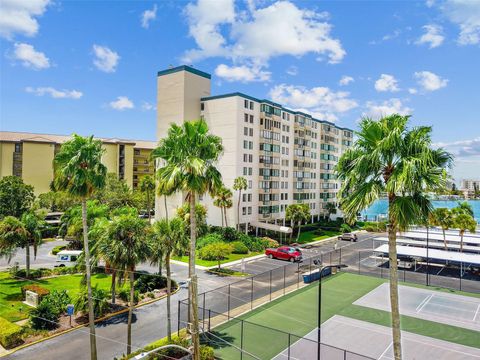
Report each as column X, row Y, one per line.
column 469, row 187
column 30, row 156
column 286, row 156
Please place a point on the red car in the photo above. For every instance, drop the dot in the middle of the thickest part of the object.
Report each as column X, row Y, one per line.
column 284, row 253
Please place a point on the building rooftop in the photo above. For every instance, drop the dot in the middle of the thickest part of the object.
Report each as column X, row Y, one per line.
column 13, row 136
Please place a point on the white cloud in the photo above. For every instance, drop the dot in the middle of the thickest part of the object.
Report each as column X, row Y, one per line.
column 462, row 148
column 430, row 81
column 54, row 93
column 146, row 106
column 30, row 57
column 148, row 16
column 386, row 83
column 105, row 59
column 318, row 101
column 122, row 103
column 292, row 70
column 432, row 36
column 412, row 91
column 256, row 35
column 345, row 80
column 465, row 14
column 241, row 73
column 19, row 17
column 387, row 107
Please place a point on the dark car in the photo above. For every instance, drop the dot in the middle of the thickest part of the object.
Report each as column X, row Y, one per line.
column 348, row 237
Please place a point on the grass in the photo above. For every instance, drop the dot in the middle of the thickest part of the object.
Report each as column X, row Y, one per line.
column 309, row 236
column 296, row 313
column 11, row 306
column 208, row 263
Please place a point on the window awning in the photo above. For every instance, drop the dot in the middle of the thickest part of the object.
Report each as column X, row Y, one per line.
column 272, row 227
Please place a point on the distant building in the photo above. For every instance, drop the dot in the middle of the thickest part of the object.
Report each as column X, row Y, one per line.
column 30, row 156
column 469, row 187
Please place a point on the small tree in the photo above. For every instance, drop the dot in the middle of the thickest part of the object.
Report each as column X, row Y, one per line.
column 223, row 200
column 216, row 251
column 442, row 217
column 331, row 209
column 16, row 197
column 239, row 184
column 297, row 213
column 147, row 186
column 33, row 224
column 463, row 221
column 12, row 233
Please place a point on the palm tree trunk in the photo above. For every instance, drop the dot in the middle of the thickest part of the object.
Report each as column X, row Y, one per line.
column 293, row 228
column 225, row 214
column 130, row 313
column 148, row 206
column 91, row 315
column 112, row 288
column 193, row 281
column 160, row 266
column 238, row 209
column 299, row 229
column 169, row 294
column 392, row 255
column 221, row 214
column 461, row 240
column 27, row 259
column 166, row 208
column 444, row 239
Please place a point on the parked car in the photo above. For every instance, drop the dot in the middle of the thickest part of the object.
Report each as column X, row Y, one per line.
column 284, row 253
column 348, row 237
column 67, row 257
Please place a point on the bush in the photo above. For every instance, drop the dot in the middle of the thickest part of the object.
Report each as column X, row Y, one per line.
column 206, row 353
column 209, row 239
column 10, row 335
column 57, row 249
column 41, row 291
column 345, row 228
column 44, row 316
column 251, row 242
column 149, row 282
column 124, row 294
column 50, row 231
column 375, row 226
column 216, row 251
column 239, row 247
column 270, row 243
column 229, row 234
column 58, row 299
column 100, row 301
column 34, row 273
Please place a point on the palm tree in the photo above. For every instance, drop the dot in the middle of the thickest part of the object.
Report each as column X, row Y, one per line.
column 32, row 223
column 125, row 240
column 297, row 213
column 331, row 209
column 147, row 186
column 223, row 200
column 170, row 237
column 463, row 221
column 390, row 158
column 465, row 207
column 442, row 217
column 12, row 233
column 79, row 171
column 239, row 184
column 190, row 153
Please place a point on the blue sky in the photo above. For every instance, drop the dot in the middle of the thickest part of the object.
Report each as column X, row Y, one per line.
column 90, row 66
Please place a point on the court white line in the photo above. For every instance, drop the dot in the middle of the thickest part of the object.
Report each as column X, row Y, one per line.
column 476, row 312
column 385, row 351
column 423, row 303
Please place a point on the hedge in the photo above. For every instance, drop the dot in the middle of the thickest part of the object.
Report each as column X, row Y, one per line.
column 57, row 249
column 41, row 291
column 10, row 334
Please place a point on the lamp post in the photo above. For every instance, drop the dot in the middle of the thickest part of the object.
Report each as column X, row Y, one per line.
column 319, row 319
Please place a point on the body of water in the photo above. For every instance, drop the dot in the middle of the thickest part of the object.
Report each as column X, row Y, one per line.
column 380, row 207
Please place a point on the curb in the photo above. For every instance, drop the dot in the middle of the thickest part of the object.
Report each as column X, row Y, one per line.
column 21, row 347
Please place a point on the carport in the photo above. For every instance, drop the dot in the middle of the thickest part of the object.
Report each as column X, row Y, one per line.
column 272, row 227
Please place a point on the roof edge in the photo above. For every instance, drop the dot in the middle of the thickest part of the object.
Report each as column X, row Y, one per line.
column 184, row 68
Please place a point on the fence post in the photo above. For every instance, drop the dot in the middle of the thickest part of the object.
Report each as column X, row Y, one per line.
column 203, row 312
column 241, row 341
column 228, row 310
column 460, row 278
column 359, row 272
column 404, row 275
column 284, row 278
column 251, row 295
column 289, row 342
column 270, row 285
column 340, row 259
column 330, row 263
column 298, row 275
column 178, row 319
column 209, row 317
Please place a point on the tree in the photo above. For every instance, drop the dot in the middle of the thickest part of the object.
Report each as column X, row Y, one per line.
column 147, row 186
column 190, row 154
column 116, row 193
column 79, row 171
column 465, row 208
column 168, row 238
column 390, row 158
column 12, row 233
column 239, row 184
column 223, row 200
column 463, row 221
column 297, row 213
column 33, row 223
column 56, row 201
column 125, row 240
column 183, row 212
column 216, row 251
column 442, row 217
column 331, row 209
column 16, row 197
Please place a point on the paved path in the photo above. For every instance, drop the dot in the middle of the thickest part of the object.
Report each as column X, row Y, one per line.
column 43, row 258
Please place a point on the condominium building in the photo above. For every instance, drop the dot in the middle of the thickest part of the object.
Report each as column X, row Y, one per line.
column 469, row 187
column 286, row 156
column 30, row 156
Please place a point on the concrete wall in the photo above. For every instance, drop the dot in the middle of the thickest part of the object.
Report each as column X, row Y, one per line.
column 37, row 165
column 129, row 165
column 6, row 158
column 110, row 158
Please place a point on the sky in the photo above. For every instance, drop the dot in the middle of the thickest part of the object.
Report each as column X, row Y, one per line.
column 90, row 66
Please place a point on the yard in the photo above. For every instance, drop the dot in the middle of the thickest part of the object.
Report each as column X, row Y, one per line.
column 208, row 263
column 309, row 236
column 13, row 309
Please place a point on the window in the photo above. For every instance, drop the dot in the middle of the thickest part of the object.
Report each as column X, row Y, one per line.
column 245, row 144
column 249, row 197
column 250, row 158
column 18, row 147
column 250, row 184
column 202, row 106
column 244, row 211
column 251, row 132
column 244, row 171
column 245, row 103
column 249, row 210
column 250, row 171
column 251, row 105
column 251, row 118
column 245, row 117
column 245, row 131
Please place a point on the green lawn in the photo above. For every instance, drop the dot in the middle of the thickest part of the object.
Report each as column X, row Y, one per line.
column 208, row 263
column 296, row 313
column 11, row 306
column 309, row 236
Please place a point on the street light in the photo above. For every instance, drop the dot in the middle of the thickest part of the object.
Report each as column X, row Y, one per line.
column 319, row 322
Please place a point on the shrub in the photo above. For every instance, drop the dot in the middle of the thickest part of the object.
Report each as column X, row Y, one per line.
column 229, row 234
column 251, row 242
column 149, row 282
column 50, row 231
column 44, row 316
column 206, row 353
column 40, row 291
column 239, row 247
column 270, row 243
column 215, row 251
column 57, row 249
column 34, row 273
column 100, row 299
column 124, row 294
column 10, row 335
column 58, row 299
column 209, row 239
column 345, row 228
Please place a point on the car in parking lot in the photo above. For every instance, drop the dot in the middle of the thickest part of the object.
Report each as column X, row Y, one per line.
column 348, row 237
column 284, row 253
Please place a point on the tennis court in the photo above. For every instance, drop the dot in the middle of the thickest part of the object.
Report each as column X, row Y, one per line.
column 366, row 340
column 452, row 309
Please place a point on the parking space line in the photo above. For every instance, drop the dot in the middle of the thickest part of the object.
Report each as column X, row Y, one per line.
column 423, row 303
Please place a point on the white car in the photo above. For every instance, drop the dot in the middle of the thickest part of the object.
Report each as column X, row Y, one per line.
column 67, row 257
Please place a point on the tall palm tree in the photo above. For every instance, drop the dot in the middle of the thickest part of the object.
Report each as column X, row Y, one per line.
column 147, row 186
column 390, row 158
column 297, row 213
column 79, row 171
column 223, row 200
column 12, row 234
column 190, row 154
column 33, row 223
column 239, row 184
column 125, row 240
column 463, row 221
column 442, row 217
column 170, row 237
column 331, row 209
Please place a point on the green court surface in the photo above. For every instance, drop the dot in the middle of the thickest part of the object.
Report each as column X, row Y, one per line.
column 296, row 314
